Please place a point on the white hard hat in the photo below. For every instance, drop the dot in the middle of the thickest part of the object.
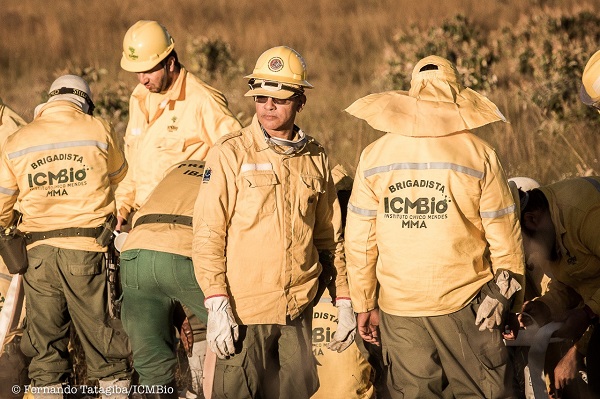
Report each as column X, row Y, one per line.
column 524, row 183
column 71, row 88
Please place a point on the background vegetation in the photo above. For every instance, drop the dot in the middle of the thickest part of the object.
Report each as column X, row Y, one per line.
column 526, row 55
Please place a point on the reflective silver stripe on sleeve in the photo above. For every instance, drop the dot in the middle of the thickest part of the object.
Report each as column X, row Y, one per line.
column 56, row 146
column 424, row 166
column 116, row 173
column 499, row 213
column 8, row 191
column 362, row 212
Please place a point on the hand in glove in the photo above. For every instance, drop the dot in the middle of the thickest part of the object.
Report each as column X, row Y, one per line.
column 346, row 327
column 220, row 325
column 491, row 310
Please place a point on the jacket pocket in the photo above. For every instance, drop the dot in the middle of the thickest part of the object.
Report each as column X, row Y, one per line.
column 172, row 144
column 584, row 267
column 310, row 189
column 259, row 192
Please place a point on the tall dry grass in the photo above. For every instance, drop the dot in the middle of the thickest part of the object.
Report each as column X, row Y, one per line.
column 342, row 41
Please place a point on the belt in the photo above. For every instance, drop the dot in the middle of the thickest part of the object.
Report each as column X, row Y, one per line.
column 163, row 218
column 33, row 236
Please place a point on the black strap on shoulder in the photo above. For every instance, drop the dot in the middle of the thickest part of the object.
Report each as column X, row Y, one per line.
column 164, row 218
column 33, row 236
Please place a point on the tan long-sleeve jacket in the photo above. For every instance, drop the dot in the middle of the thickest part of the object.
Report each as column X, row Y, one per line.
column 168, row 128
column 174, row 195
column 575, row 212
column 259, row 221
column 431, row 219
column 60, row 167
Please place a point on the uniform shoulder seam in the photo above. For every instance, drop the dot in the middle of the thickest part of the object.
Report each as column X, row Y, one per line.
column 228, row 136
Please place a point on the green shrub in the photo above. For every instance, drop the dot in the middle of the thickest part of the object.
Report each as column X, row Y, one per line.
column 458, row 40
column 545, row 55
column 541, row 55
column 211, row 58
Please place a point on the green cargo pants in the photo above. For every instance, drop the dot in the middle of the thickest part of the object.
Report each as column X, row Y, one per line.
column 64, row 286
column 429, row 357
column 152, row 281
column 271, row 361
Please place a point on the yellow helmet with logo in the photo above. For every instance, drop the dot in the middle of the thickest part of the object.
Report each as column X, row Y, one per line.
column 145, row 44
column 280, row 72
column 590, row 90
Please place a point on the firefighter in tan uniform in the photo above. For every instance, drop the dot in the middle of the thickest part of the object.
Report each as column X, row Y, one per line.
column 560, row 229
column 173, row 117
column 590, row 95
column 347, row 374
column 60, row 168
column 156, row 270
column 266, row 208
column 13, row 364
column 432, row 221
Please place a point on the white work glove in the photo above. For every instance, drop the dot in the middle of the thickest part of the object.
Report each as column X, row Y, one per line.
column 220, row 325
column 346, row 327
column 491, row 310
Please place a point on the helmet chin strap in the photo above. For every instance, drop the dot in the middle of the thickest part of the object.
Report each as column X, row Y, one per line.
column 77, row 92
column 286, row 147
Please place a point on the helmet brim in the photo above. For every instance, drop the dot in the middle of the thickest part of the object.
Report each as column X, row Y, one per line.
column 140, row 66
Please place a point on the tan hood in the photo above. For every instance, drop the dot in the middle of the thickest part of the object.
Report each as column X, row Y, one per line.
column 436, row 105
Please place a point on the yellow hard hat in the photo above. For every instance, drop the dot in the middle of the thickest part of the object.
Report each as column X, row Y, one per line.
column 145, row 44
column 590, row 91
column 280, row 72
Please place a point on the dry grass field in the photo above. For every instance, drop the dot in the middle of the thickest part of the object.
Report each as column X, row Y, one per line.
column 346, row 44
